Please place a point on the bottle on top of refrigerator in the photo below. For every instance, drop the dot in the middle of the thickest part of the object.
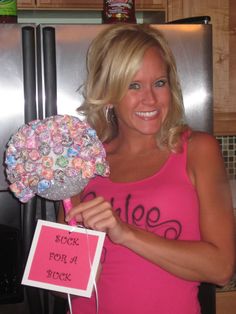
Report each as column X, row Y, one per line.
column 8, row 11
column 118, row 11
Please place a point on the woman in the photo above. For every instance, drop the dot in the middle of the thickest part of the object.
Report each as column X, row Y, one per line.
column 166, row 207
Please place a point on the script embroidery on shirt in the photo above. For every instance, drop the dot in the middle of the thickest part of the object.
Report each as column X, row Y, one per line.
column 150, row 219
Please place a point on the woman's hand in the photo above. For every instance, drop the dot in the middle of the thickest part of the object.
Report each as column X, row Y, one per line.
column 97, row 214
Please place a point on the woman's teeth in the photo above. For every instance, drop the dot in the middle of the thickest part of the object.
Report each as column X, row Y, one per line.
column 146, row 114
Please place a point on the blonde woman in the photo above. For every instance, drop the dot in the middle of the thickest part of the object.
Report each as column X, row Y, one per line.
column 166, row 207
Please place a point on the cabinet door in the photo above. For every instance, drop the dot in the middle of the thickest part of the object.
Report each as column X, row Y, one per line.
column 149, row 5
column 225, row 62
column 73, row 4
column 26, row 4
column 231, row 113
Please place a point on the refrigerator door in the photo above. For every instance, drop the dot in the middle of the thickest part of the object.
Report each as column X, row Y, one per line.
column 17, row 83
column 18, row 105
column 11, row 88
column 192, row 48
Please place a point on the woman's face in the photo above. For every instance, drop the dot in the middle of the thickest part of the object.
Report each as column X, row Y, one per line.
column 145, row 105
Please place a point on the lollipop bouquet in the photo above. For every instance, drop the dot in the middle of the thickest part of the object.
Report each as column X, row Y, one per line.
column 54, row 158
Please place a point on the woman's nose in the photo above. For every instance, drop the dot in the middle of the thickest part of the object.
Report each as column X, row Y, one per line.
column 149, row 96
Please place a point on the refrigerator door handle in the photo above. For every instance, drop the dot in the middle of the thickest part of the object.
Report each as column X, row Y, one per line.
column 49, row 61
column 29, row 73
column 30, row 110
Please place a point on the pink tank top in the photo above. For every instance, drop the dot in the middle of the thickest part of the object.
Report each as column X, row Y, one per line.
column 166, row 204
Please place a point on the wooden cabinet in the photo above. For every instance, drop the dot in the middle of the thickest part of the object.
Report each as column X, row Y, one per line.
column 223, row 20
column 85, row 4
column 26, row 4
column 226, row 302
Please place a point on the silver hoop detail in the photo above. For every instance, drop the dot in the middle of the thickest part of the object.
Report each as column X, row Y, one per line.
column 108, row 112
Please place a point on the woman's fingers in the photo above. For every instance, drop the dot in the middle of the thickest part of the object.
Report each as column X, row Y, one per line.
column 99, row 220
column 79, row 209
column 91, row 212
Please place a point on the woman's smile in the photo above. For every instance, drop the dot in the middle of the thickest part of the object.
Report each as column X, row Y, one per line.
column 146, row 115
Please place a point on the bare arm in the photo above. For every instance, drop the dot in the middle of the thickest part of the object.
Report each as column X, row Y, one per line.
column 212, row 258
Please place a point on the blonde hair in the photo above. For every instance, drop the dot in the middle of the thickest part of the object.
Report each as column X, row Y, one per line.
column 113, row 59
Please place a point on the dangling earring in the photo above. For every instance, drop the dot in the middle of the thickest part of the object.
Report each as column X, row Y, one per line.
column 108, row 112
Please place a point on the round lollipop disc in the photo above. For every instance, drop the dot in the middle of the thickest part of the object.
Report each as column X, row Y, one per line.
column 54, row 158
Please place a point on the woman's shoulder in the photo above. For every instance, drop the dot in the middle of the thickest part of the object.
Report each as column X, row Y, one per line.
column 202, row 145
column 202, row 140
column 204, row 156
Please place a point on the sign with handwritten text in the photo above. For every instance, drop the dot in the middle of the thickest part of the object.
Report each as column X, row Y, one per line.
column 63, row 258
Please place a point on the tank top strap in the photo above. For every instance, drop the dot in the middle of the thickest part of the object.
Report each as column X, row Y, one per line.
column 185, row 137
column 181, row 158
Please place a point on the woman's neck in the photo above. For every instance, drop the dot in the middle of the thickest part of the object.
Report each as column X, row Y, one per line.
column 133, row 145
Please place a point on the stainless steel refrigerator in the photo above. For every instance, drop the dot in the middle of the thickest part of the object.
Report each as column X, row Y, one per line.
column 41, row 70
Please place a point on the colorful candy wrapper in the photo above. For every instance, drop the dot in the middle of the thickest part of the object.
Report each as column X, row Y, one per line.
column 54, row 158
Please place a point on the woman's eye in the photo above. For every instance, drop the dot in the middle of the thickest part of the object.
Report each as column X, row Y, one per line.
column 134, row 86
column 160, row 83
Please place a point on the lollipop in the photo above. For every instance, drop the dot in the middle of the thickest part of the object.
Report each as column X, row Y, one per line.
column 54, row 158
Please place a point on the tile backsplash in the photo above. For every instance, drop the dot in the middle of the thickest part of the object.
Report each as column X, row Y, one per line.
column 228, row 148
